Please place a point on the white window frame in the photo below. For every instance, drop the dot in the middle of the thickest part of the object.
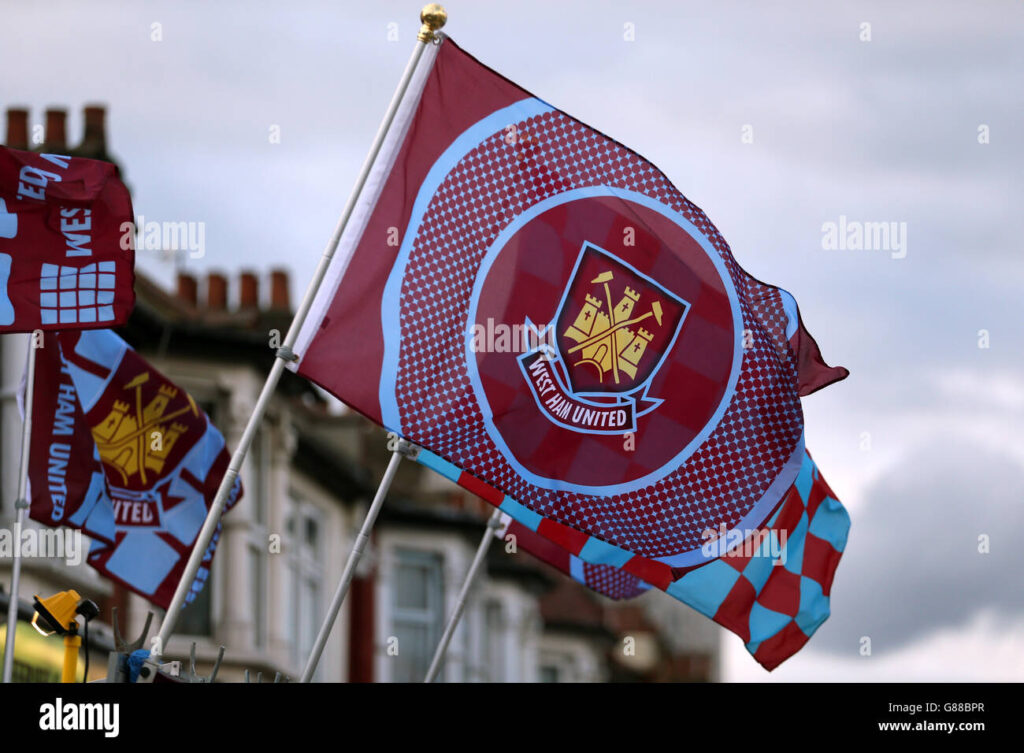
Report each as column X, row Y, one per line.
column 456, row 554
column 304, row 568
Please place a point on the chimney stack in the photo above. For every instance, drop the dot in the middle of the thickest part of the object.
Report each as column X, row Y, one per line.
column 188, row 288
column 17, row 128
column 279, row 298
column 249, row 292
column 56, row 131
column 94, row 142
column 216, row 292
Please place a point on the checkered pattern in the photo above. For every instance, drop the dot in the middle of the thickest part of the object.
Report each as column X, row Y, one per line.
column 612, row 581
column 720, row 482
column 775, row 603
column 773, row 597
column 71, row 295
column 771, row 319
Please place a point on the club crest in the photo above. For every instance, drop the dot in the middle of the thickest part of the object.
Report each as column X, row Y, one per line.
column 135, row 439
column 614, row 328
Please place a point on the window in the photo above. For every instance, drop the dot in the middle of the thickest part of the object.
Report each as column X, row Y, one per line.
column 417, row 617
column 257, row 579
column 261, row 459
column 304, row 549
column 257, row 539
column 197, row 618
column 558, row 667
column 493, row 658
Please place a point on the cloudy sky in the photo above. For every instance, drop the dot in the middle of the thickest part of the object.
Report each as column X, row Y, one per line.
column 920, row 124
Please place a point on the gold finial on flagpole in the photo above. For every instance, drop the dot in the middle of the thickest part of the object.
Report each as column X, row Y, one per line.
column 433, row 17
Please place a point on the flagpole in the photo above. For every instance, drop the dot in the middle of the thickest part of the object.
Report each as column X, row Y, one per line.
column 404, row 449
column 460, row 605
column 433, row 18
column 21, row 504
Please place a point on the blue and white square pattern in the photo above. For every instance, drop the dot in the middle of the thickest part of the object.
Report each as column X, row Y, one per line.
column 77, row 295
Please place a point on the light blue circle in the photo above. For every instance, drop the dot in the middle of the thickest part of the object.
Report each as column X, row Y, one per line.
column 474, row 377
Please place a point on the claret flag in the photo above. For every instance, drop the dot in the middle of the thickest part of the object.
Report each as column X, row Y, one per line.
column 125, row 455
column 67, row 257
column 539, row 308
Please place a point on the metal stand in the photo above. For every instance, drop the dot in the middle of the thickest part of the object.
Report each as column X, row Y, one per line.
column 117, row 660
column 460, row 606
column 404, row 449
column 195, row 677
column 20, row 505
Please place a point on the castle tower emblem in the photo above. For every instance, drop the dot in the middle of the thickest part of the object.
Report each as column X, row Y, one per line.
column 608, row 342
column 616, row 326
column 138, row 433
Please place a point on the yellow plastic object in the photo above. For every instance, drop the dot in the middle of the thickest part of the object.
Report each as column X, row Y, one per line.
column 72, row 642
column 56, row 612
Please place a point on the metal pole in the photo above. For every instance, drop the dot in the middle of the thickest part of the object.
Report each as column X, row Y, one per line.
column 460, row 605
column 354, row 556
column 284, row 354
column 21, row 504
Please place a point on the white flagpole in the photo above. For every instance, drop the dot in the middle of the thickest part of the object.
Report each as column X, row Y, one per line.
column 433, row 18
column 460, row 605
column 21, row 504
column 404, row 448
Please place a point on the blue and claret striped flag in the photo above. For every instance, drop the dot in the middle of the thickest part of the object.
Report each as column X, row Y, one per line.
column 544, row 312
column 128, row 457
column 607, row 580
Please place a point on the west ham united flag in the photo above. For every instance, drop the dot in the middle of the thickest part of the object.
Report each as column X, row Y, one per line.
column 568, row 335
column 66, row 254
column 607, row 580
column 125, row 455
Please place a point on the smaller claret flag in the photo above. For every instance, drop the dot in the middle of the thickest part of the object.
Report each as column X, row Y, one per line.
column 125, row 455
column 67, row 258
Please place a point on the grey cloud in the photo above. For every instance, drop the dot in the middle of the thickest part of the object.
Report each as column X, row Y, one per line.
column 912, row 564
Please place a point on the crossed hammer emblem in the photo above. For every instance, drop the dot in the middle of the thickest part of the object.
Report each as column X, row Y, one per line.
column 604, row 334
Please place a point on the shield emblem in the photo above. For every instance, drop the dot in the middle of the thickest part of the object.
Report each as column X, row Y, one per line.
column 615, row 325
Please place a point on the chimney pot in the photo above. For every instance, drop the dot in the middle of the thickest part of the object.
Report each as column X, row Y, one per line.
column 17, row 128
column 56, row 129
column 95, row 138
column 216, row 291
column 249, row 292
column 279, row 297
column 188, row 288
